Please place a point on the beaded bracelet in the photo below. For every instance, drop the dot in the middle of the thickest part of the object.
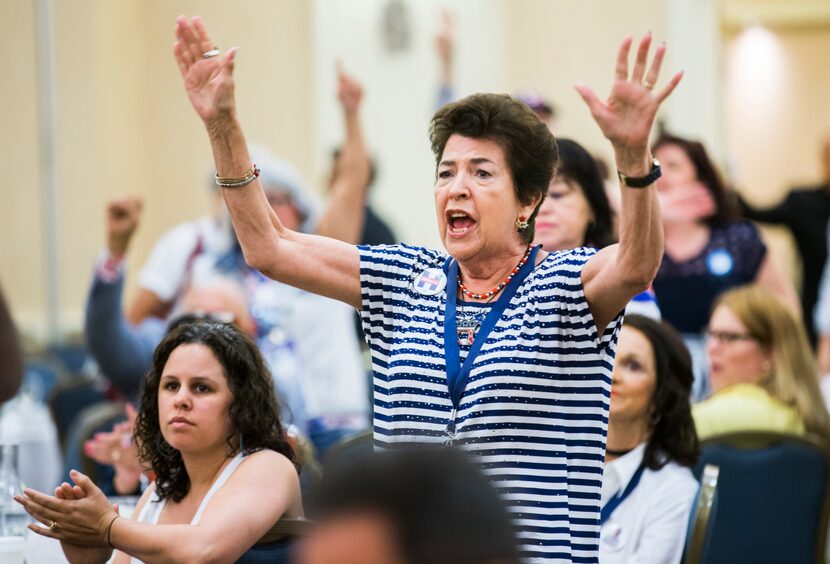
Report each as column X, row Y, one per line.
column 247, row 178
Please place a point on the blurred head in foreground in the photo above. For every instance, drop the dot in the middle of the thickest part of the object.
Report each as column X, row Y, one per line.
column 418, row 506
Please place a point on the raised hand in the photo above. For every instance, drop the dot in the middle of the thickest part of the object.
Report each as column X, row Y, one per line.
column 445, row 45
column 693, row 202
column 349, row 91
column 123, row 216
column 208, row 76
column 627, row 116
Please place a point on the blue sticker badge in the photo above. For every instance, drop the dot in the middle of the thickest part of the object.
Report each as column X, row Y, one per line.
column 430, row 282
column 720, row 262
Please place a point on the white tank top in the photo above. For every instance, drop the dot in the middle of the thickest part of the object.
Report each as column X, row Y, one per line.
column 152, row 509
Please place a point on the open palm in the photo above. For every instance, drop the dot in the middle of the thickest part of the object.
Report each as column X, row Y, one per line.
column 627, row 116
column 207, row 81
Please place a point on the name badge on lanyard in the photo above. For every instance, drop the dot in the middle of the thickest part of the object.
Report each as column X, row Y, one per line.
column 457, row 373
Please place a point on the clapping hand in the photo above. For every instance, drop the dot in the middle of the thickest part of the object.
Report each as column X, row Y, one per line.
column 208, row 75
column 78, row 515
column 116, row 448
column 627, row 116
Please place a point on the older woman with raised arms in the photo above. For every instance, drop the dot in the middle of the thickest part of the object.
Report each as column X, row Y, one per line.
column 498, row 346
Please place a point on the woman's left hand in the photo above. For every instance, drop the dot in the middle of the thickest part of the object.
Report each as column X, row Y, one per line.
column 627, row 116
column 80, row 520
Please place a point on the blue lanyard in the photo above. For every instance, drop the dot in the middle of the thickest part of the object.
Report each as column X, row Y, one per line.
column 458, row 374
column 615, row 501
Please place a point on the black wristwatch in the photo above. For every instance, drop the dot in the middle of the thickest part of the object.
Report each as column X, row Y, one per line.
column 642, row 181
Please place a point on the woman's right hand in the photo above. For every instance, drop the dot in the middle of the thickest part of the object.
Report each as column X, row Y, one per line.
column 691, row 203
column 207, row 81
column 78, row 554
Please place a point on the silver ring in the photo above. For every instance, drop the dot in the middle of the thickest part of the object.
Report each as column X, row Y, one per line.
column 211, row 53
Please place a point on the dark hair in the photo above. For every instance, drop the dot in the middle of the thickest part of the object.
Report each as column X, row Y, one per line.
column 528, row 145
column 673, row 436
column 578, row 166
column 726, row 209
column 439, row 504
column 254, row 412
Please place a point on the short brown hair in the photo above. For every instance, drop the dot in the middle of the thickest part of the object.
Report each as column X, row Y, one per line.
column 528, row 145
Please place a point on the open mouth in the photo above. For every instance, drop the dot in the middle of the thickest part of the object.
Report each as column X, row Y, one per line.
column 459, row 222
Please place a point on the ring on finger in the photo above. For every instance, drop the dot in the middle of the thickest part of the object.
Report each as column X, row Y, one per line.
column 648, row 85
column 52, row 525
column 212, row 53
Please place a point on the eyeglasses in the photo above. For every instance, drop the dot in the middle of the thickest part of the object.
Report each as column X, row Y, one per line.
column 727, row 337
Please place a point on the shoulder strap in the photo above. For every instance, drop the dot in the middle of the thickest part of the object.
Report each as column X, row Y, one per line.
column 218, row 483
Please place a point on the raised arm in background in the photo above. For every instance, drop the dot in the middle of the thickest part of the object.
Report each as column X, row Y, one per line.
column 122, row 350
column 345, row 210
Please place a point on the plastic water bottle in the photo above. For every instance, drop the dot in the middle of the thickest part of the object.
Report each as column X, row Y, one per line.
column 13, row 518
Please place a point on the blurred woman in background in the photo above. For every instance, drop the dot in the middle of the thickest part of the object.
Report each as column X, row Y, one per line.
column 708, row 249
column 648, row 486
column 576, row 213
column 762, row 370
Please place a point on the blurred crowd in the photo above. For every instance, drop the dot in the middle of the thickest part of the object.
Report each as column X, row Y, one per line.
column 720, row 343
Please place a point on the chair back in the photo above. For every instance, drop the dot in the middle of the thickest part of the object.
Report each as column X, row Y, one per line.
column 772, row 498
column 277, row 545
column 702, row 517
column 349, row 448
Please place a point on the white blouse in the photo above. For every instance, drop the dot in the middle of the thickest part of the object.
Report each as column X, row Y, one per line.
column 649, row 526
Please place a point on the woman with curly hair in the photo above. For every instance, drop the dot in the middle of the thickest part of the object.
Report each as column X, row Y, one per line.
column 648, row 487
column 209, row 428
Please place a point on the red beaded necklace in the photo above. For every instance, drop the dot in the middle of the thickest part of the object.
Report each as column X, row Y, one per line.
column 502, row 284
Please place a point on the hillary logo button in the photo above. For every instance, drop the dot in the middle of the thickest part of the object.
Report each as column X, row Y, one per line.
column 430, row 281
column 720, row 262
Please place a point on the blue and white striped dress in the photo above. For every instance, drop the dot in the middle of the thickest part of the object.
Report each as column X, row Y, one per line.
column 535, row 410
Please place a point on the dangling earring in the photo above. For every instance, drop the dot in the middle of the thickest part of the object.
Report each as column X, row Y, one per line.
column 521, row 223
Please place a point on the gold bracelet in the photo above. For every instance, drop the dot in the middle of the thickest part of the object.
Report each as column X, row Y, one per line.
column 245, row 175
column 248, row 177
